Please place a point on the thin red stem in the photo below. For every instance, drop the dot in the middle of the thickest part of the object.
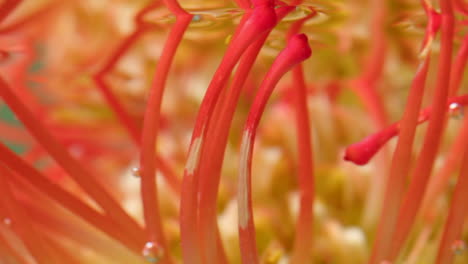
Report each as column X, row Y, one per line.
column 295, row 52
column 303, row 239
column 150, row 130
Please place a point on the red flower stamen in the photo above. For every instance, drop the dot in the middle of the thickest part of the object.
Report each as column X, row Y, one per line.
column 296, row 51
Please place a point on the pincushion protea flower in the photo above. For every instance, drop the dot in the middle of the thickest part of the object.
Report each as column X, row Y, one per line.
column 202, row 132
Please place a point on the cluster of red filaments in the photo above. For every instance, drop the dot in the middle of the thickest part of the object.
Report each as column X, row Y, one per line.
column 48, row 209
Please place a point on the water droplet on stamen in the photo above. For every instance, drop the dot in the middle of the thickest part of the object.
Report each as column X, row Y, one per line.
column 458, row 247
column 152, row 252
column 7, row 221
column 456, row 110
column 136, row 172
column 196, row 18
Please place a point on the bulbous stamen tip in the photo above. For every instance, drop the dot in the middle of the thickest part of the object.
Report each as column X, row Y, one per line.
column 361, row 152
column 299, row 45
column 296, row 51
